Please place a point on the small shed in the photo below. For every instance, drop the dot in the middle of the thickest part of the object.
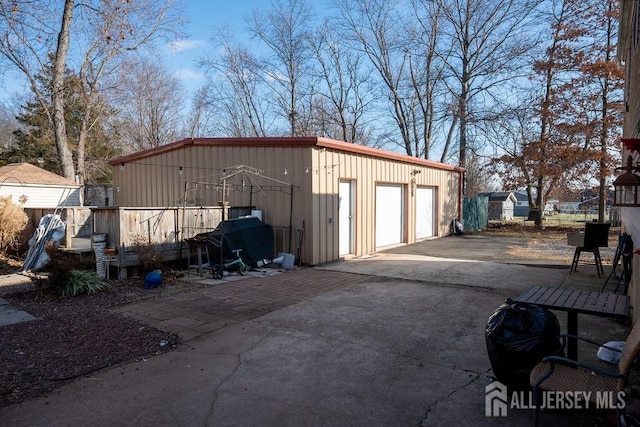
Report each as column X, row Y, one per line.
column 34, row 187
column 501, row 205
column 522, row 204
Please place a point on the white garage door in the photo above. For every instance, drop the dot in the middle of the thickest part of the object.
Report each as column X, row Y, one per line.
column 424, row 212
column 389, row 215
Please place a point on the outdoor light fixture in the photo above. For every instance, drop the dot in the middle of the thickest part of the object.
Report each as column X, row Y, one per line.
column 626, row 185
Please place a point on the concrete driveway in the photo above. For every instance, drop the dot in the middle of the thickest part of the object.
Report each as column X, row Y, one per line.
column 388, row 340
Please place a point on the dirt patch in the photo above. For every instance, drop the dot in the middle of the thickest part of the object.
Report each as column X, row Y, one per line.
column 547, row 243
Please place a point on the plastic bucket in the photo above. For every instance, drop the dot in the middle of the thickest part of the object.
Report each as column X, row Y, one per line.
column 257, row 214
column 288, row 261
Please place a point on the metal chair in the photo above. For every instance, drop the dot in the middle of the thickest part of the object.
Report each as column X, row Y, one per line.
column 557, row 373
column 624, row 253
column 596, row 236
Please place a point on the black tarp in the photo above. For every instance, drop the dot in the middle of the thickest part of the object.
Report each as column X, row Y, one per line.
column 253, row 236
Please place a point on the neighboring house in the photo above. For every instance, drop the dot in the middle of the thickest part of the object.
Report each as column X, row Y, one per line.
column 569, row 207
column 350, row 199
column 522, row 204
column 501, row 205
column 34, row 187
column 551, row 207
column 629, row 56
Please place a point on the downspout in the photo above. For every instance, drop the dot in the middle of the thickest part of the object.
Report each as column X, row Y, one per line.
column 290, row 217
column 460, row 194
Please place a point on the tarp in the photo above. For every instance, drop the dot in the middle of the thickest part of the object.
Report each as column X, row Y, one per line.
column 50, row 229
column 476, row 213
column 253, row 236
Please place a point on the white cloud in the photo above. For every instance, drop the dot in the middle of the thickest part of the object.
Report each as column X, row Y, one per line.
column 188, row 75
column 179, row 46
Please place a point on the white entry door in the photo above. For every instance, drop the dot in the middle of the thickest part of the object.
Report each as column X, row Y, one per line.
column 345, row 218
column 389, row 215
column 424, row 212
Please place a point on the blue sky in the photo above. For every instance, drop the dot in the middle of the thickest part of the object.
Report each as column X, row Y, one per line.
column 180, row 57
column 204, row 16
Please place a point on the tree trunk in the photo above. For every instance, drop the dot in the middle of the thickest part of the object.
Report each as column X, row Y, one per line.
column 57, row 96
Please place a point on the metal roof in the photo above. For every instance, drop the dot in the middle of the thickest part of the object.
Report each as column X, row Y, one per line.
column 283, row 142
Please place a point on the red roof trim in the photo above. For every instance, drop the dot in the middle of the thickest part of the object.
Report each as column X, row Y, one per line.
column 284, row 142
column 376, row 152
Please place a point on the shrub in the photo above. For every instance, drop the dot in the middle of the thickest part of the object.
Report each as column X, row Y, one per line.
column 67, row 281
column 80, row 282
column 13, row 220
column 148, row 255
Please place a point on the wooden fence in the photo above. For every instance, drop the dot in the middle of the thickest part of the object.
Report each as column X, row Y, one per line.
column 163, row 228
column 78, row 221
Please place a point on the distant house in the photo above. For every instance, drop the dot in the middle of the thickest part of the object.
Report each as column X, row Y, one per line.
column 569, row 207
column 522, row 204
column 501, row 205
column 551, row 207
column 34, row 187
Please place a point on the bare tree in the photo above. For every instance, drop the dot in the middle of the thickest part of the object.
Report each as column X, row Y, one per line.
column 345, row 93
column 107, row 35
column 201, row 120
column 426, row 70
column 36, row 35
column 236, row 88
column 486, row 36
column 374, row 27
column 151, row 100
column 284, row 29
column 57, row 91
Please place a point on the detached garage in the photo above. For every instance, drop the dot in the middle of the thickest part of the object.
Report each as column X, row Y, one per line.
column 350, row 200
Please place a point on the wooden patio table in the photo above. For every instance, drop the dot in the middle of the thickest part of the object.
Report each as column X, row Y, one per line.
column 574, row 302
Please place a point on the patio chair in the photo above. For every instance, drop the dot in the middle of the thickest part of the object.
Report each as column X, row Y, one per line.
column 557, row 373
column 624, row 253
column 596, row 236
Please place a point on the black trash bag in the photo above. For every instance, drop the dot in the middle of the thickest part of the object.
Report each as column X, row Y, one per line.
column 518, row 337
column 456, row 227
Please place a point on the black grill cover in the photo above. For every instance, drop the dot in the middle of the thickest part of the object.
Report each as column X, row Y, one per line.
column 253, row 236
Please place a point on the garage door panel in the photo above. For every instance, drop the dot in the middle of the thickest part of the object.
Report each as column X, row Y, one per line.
column 389, row 215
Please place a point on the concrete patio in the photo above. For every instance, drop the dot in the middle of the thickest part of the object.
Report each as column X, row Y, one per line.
column 392, row 339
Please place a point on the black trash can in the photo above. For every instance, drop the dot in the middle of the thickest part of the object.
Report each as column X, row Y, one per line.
column 518, row 337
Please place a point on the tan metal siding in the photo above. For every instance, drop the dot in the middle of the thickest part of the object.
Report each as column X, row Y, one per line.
column 155, row 181
column 316, row 171
column 367, row 171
